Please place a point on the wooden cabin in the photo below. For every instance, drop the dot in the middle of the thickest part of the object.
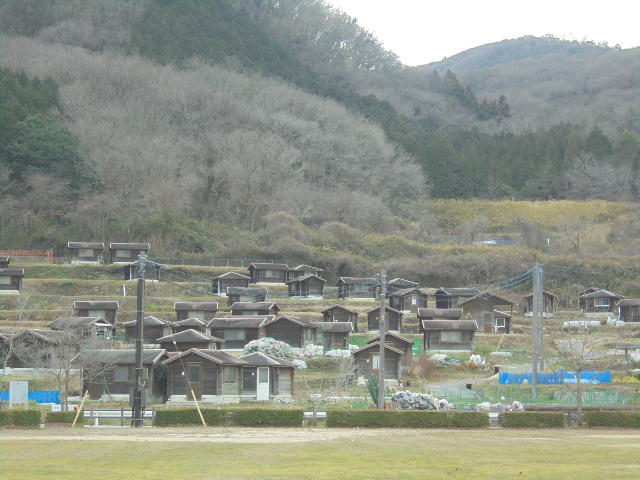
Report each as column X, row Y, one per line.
column 439, row 314
column 86, row 252
column 204, row 311
column 189, row 324
column 358, row 288
column 4, row 261
column 267, row 378
column 367, row 361
column 629, row 309
column 399, row 343
column 600, row 302
column 452, row 297
column 237, row 330
column 188, row 339
column 307, row 286
column 85, row 327
column 303, row 271
column 408, row 300
column 334, row 334
column 152, row 329
column 97, row 308
column 246, row 295
column 549, row 300
column 501, row 321
column 111, row 374
column 254, row 308
column 268, row 273
column 204, row 375
column 127, row 252
column 11, row 280
column 37, row 348
column 448, row 334
column 227, row 280
column 294, row 331
column 393, row 319
column 400, row 284
column 482, row 306
column 339, row 313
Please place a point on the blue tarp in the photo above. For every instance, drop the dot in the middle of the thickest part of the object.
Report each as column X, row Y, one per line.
column 47, row 396
column 589, row 376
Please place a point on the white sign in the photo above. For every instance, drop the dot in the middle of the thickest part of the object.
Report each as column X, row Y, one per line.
column 18, row 392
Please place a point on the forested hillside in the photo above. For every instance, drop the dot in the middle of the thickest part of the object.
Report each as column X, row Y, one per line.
column 284, row 129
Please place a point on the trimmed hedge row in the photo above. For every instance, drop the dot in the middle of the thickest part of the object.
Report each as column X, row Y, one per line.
column 600, row 418
column 245, row 417
column 531, row 420
column 21, row 418
column 406, row 419
column 64, row 417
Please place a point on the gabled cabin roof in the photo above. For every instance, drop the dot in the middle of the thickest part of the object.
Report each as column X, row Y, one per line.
column 387, row 308
column 254, row 306
column 297, row 320
column 148, row 321
column 339, row 307
column 190, row 335
column 93, row 245
column 232, row 276
column 49, row 336
column 150, row 356
column 196, row 306
column 499, row 313
column 129, row 246
column 376, row 345
column 629, row 302
column 334, row 327
column 403, row 282
column 189, row 322
column 96, row 305
column 239, row 321
column 269, row 266
column 440, row 312
column 461, row 325
column 601, row 294
column 545, row 292
column 260, row 359
column 358, row 281
column 5, row 259
column 389, row 334
column 12, row 272
column 407, row 291
column 216, row 356
column 71, row 322
column 255, row 291
column 305, row 277
column 458, row 292
column 486, row 295
column 306, row 268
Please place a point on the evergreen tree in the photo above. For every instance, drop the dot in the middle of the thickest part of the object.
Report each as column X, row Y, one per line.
column 598, row 144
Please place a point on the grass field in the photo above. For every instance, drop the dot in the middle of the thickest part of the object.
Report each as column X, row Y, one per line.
column 221, row 453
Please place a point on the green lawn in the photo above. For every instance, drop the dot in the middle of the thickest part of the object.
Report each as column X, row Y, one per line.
column 336, row 453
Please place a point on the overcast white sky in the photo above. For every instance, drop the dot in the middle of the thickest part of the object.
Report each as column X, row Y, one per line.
column 424, row 31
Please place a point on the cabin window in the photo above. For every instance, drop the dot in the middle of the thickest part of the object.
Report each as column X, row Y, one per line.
column 85, row 252
column 271, row 274
column 5, row 280
column 601, row 302
column 229, row 374
column 234, row 334
column 414, row 300
column 123, row 253
column 452, row 337
column 375, row 361
column 96, row 313
column 199, row 314
column 500, row 322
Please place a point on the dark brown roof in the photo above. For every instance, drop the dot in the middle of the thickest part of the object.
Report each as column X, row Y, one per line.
column 96, row 305
column 232, row 276
column 357, row 281
column 269, row 266
column 296, row 320
column 94, row 245
column 5, row 259
column 334, row 327
column 485, row 295
column 462, row 325
column 440, row 312
column 389, row 334
column 305, row 277
column 601, row 294
column 306, row 268
column 70, row 322
column 545, row 292
column 119, row 357
column 49, row 336
column 255, row 291
column 12, row 272
column 217, row 356
column 206, row 306
column 240, row 321
column 260, row 359
column 189, row 322
column 458, row 292
column 254, row 306
column 402, row 282
column 190, row 335
column 341, row 307
column 129, row 246
column 387, row 308
column 148, row 322
column 629, row 302
column 407, row 291
column 376, row 345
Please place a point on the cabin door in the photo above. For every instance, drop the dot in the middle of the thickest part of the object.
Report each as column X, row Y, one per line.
column 262, row 394
column 194, row 377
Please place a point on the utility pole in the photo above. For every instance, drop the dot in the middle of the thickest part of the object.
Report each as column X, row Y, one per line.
column 383, row 295
column 538, row 354
column 137, row 419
